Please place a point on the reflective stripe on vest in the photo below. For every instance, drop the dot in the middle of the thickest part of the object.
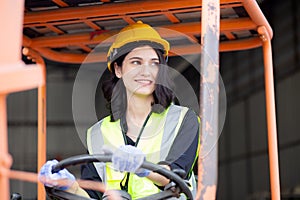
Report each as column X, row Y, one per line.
column 158, row 135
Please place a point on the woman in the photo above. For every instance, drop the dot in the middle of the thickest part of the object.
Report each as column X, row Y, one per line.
column 143, row 124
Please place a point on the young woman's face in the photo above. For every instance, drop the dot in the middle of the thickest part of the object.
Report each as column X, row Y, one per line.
column 139, row 71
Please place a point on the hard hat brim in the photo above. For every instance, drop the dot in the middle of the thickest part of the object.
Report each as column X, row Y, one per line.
column 117, row 53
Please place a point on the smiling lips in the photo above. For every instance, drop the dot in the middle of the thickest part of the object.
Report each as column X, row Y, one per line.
column 144, row 81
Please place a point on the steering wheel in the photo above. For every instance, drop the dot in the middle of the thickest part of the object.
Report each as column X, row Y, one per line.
column 180, row 186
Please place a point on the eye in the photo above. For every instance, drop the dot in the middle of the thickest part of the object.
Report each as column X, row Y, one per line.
column 136, row 62
column 155, row 64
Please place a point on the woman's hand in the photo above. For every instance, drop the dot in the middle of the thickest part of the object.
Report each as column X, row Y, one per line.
column 129, row 158
column 62, row 179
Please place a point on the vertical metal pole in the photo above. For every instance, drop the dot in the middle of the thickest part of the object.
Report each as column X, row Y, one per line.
column 41, row 131
column 41, row 151
column 209, row 100
column 5, row 159
column 11, row 20
column 271, row 114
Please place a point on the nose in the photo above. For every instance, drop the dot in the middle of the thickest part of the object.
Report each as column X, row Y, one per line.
column 145, row 70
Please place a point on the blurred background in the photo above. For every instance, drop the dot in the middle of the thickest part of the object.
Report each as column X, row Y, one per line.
column 243, row 156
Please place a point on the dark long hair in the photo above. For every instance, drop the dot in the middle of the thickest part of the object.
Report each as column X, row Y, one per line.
column 115, row 93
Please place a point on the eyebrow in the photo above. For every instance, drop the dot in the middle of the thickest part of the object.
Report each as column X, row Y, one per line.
column 139, row 58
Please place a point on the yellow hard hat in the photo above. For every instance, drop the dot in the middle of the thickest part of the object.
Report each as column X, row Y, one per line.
column 133, row 35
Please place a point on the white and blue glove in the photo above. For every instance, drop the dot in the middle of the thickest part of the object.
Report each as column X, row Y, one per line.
column 62, row 179
column 141, row 172
column 129, row 158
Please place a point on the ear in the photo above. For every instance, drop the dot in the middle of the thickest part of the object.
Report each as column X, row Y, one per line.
column 118, row 70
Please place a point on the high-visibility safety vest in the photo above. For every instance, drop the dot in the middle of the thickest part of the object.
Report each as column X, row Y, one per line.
column 156, row 141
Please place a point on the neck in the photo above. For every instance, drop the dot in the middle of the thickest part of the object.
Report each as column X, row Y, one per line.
column 138, row 109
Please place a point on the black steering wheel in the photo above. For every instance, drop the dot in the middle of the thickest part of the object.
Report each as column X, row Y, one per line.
column 177, row 185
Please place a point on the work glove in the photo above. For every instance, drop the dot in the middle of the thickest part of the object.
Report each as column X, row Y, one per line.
column 62, row 179
column 129, row 158
column 141, row 172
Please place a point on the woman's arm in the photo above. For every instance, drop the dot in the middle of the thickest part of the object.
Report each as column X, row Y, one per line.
column 158, row 179
column 183, row 152
column 76, row 189
column 89, row 172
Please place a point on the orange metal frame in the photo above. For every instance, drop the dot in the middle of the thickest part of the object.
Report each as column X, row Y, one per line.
column 16, row 76
column 51, row 19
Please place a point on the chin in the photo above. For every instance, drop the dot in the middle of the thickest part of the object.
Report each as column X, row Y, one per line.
column 144, row 91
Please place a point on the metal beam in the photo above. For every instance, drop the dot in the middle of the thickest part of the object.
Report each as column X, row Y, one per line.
column 193, row 28
column 271, row 114
column 116, row 9
column 178, row 50
column 209, row 101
